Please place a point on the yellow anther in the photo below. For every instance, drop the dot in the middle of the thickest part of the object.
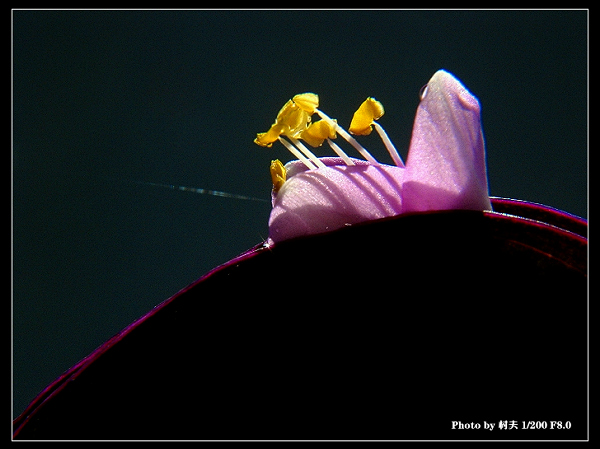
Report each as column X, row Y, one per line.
column 293, row 118
column 369, row 111
column 293, row 124
column 317, row 132
column 267, row 139
column 308, row 102
column 278, row 174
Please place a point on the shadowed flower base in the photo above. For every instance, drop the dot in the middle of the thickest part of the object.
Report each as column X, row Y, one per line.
column 491, row 324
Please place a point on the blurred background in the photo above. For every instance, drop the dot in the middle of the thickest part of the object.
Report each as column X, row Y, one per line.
column 104, row 100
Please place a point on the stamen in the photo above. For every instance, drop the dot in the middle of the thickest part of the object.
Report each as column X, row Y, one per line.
column 278, row 174
column 351, row 140
column 309, row 154
column 297, row 153
column 389, row 145
column 335, row 147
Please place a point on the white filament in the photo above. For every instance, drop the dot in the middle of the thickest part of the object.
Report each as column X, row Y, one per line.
column 389, row 145
column 351, row 140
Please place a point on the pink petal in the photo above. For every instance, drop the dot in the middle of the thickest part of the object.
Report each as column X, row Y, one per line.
column 446, row 166
column 315, row 201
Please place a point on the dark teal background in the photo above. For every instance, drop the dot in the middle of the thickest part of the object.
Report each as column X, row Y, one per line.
column 104, row 98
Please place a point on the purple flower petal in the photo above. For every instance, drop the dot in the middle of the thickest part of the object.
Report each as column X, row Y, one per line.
column 446, row 166
column 316, row 201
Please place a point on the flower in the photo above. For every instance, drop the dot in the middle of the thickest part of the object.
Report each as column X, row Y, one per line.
column 445, row 168
column 538, row 253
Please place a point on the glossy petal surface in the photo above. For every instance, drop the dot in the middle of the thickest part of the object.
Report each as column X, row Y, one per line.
column 316, row 201
column 446, row 167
